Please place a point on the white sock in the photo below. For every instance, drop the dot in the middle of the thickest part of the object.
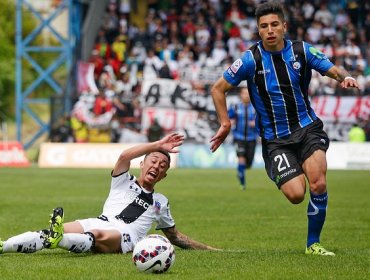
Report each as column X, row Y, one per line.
column 77, row 242
column 28, row 242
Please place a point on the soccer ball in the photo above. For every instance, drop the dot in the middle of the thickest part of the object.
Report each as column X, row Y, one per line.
column 154, row 253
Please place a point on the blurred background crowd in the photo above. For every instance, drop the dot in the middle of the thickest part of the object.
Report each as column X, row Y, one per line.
column 195, row 41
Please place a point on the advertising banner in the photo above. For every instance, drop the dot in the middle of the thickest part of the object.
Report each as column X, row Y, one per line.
column 348, row 156
column 200, row 156
column 86, row 155
column 13, row 155
column 339, row 156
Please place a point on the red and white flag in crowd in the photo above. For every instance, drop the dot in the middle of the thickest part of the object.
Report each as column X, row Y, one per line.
column 85, row 78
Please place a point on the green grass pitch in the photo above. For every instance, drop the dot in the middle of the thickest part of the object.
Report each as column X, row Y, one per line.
column 262, row 234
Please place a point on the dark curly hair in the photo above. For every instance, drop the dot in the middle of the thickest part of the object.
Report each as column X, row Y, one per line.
column 270, row 8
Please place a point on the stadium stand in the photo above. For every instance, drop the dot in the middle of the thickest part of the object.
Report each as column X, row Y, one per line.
column 194, row 41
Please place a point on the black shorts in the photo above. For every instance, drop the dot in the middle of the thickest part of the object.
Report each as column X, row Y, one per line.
column 284, row 156
column 246, row 149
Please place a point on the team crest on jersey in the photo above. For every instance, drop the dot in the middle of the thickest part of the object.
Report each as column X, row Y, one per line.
column 157, row 206
column 296, row 65
column 236, row 65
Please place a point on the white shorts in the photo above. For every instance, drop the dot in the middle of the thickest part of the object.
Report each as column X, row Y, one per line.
column 128, row 239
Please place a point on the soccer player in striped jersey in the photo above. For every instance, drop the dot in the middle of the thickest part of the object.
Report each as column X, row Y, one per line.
column 244, row 132
column 294, row 144
column 130, row 210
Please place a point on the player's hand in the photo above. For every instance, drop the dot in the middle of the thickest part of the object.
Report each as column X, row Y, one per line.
column 349, row 82
column 171, row 141
column 220, row 137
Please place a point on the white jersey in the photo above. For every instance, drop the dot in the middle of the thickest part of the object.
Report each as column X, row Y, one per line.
column 133, row 206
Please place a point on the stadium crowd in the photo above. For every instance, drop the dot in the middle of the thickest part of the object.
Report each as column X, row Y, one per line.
column 179, row 39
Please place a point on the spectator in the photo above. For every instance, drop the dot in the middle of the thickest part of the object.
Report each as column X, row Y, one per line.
column 165, row 72
column 187, row 35
column 218, row 54
column 342, row 19
column 323, row 15
column 314, row 32
column 152, row 64
column 61, row 132
column 98, row 62
column 155, row 131
column 353, row 55
column 119, row 46
column 308, row 11
column 124, row 87
column 102, row 104
column 356, row 134
column 202, row 38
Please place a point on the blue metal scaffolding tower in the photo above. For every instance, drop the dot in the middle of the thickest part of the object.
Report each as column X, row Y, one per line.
column 65, row 50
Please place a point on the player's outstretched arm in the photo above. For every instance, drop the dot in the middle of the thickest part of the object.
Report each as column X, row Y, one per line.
column 169, row 143
column 342, row 76
column 183, row 241
column 218, row 92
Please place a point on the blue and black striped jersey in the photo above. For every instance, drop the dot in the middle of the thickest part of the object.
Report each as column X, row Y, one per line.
column 278, row 85
column 243, row 114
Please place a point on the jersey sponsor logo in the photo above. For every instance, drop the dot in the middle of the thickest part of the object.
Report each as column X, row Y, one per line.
column 288, row 172
column 236, row 65
column 142, row 203
column 317, row 53
column 280, row 177
column 136, row 208
column 263, row 72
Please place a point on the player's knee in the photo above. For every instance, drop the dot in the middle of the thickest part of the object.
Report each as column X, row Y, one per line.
column 295, row 195
column 99, row 235
column 295, row 198
column 318, row 186
column 105, row 242
column 294, row 190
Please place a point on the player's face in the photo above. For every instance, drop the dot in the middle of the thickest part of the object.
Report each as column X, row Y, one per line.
column 272, row 29
column 154, row 168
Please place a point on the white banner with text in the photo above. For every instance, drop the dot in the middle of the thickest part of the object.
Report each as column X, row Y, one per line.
column 85, row 155
column 339, row 156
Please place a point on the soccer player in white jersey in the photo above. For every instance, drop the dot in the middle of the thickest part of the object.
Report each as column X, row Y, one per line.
column 128, row 213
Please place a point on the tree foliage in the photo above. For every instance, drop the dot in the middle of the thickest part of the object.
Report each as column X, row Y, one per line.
column 8, row 54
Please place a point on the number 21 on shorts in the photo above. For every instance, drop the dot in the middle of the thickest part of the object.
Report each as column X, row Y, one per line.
column 283, row 162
